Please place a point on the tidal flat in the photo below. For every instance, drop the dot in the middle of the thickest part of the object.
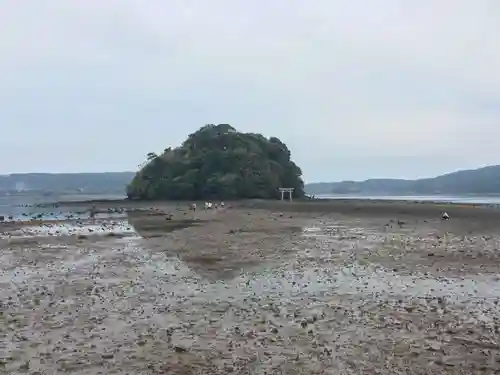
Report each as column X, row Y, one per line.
column 253, row 288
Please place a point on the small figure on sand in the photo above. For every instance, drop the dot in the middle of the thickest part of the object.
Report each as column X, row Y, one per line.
column 445, row 216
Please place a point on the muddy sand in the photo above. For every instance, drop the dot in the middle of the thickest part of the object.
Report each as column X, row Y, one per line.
column 256, row 288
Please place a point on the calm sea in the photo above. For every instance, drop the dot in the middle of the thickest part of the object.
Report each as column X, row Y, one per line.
column 23, row 206
column 423, row 198
column 27, row 206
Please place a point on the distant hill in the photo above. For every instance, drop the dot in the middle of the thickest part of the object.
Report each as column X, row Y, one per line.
column 88, row 183
column 476, row 181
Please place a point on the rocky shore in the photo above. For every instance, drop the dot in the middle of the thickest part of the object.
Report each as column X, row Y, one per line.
column 254, row 288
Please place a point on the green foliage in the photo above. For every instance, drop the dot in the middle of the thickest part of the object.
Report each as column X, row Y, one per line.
column 218, row 162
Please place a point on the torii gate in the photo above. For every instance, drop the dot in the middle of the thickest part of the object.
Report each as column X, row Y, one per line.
column 286, row 190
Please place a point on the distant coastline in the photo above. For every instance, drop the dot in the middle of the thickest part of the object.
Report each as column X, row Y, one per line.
column 493, row 199
column 477, row 182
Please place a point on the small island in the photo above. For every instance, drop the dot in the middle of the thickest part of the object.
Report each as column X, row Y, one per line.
column 218, row 162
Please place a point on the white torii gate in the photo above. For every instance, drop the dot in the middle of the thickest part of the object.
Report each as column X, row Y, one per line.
column 286, row 190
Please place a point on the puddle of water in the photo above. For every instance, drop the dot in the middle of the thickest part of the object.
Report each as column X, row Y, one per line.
column 64, row 216
column 290, row 284
column 312, row 230
column 64, row 229
column 369, row 280
column 146, row 228
column 326, row 231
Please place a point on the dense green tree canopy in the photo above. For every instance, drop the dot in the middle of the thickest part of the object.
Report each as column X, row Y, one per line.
column 218, row 162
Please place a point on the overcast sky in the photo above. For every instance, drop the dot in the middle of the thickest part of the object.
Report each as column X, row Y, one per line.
column 356, row 89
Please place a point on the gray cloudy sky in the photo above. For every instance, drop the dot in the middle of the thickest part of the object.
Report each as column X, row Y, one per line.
column 356, row 88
